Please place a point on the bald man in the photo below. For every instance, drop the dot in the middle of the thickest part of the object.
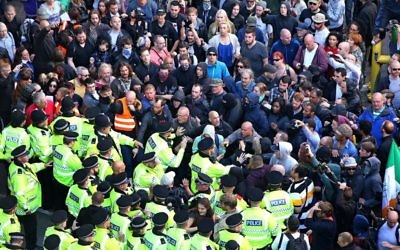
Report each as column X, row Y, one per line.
column 118, row 167
column 383, row 151
column 7, row 41
column 345, row 239
column 221, row 127
column 377, row 114
column 387, row 232
column 185, row 124
column 286, row 45
column 245, row 136
column 303, row 60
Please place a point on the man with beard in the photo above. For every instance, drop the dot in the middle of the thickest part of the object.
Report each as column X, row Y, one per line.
column 79, row 51
column 165, row 83
column 174, row 16
column 79, row 81
column 254, row 51
column 198, row 104
column 185, row 74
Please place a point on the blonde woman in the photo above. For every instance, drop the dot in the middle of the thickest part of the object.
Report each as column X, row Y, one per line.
column 227, row 45
column 221, row 16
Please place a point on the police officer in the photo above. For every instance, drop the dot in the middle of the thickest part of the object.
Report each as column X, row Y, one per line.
column 201, row 163
column 203, row 185
column 56, row 138
column 40, row 136
column 85, row 235
column 120, row 220
column 161, row 144
column 92, row 165
column 160, row 194
column 136, row 210
column 25, row 186
column 79, row 195
column 105, row 158
column 104, row 240
column 234, row 223
column 13, row 135
column 121, row 187
column 59, row 219
column 155, row 239
column 9, row 222
column 276, row 200
column 102, row 126
column 259, row 227
column 148, row 173
column 232, row 245
column 87, row 130
column 17, row 240
column 201, row 240
column 228, row 183
column 52, row 242
column 177, row 238
column 135, row 240
column 105, row 188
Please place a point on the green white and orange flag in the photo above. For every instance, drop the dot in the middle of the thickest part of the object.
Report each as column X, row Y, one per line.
column 391, row 183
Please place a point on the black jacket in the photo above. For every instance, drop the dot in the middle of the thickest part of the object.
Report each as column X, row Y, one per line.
column 366, row 17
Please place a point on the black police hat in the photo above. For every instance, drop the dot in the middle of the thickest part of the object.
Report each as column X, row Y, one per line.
column 19, row 151
column 203, row 179
column 181, row 216
column 138, row 222
column 60, row 125
column 232, row 245
column 234, row 220
column 160, row 12
column 160, row 219
column 105, row 144
column 119, row 179
column 164, row 127
column 92, row 112
column 104, row 187
column 8, row 203
column 80, row 175
column 228, row 181
column 255, row 194
column 84, row 231
column 160, row 191
column 149, row 157
column 274, row 178
column 17, row 117
column 16, row 236
column 38, row 116
column 206, row 225
column 71, row 135
column 59, row 216
column 124, row 201
column 52, row 242
column 102, row 121
column 90, row 162
column 100, row 216
column 67, row 104
column 135, row 198
column 205, row 143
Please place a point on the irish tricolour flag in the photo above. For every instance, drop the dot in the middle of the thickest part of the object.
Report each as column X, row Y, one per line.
column 391, row 183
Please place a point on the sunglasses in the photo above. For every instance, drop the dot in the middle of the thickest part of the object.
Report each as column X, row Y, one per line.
column 396, row 69
column 53, row 86
column 351, row 169
column 310, row 3
column 212, row 54
column 276, row 59
column 240, row 66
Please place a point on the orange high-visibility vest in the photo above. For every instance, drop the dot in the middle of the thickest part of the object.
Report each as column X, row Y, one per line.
column 124, row 121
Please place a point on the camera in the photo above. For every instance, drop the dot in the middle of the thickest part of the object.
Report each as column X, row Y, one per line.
column 139, row 14
column 187, row 25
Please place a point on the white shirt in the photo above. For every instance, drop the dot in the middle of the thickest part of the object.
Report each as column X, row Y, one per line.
column 321, row 35
column 394, row 86
column 309, row 56
column 338, row 92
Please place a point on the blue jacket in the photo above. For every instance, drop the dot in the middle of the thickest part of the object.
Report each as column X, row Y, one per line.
column 241, row 92
column 217, row 70
column 254, row 114
column 386, row 114
column 289, row 51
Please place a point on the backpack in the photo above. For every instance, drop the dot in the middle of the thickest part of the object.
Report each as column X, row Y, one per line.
column 294, row 244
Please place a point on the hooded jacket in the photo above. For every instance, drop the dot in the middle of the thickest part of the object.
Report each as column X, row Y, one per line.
column 205, row 80
column 372, row 192
column 254, row 114
column 287, row 161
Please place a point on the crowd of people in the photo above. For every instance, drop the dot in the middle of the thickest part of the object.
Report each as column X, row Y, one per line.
column 196, row 124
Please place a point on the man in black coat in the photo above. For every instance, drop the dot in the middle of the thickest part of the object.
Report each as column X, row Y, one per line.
column 383, row 151
column 366, row 18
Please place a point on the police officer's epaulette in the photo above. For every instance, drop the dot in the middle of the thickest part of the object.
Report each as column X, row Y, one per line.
column 163, row 241
column 43, row 132
column 19, row 171
column 93, row 141
column 209, row 248
column 12, row 221
column 110, row 235
column 141, row 241
column 186, row 236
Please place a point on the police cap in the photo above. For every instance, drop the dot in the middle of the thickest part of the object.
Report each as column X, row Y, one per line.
column 124, row 201
column 205, row 226
column 275, row 178
column 71, row 135
column 8, row 203
column 232, row 245
column 255, row 194
column 228, row 181
column 181, row 216
column 149, row 157
column 52, row 242
column 17, row 117
column 16, row 236
column 164, row 127
column 38, row 116
column 19, row 151
column 104, row 187
column 92, row 112
column 160, row 219
column 80, row 175
column 100, row 216
column 135, row 198
column 160, row 191
column 105, row 144
column 60, row 125
column 234, row 220
column 102, row 121
column 205, row 144
column 119, row 179
column 203, row 179
column 84, row 231
column 67, row 104
column 59, row 216
column 90, row 162
column 138, row 222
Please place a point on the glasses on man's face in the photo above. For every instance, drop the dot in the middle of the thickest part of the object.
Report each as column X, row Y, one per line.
column 212, row 54
column 311, row 3
column 240, row 66
column 276, row 59
column 396, row 69
column 351, row 169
